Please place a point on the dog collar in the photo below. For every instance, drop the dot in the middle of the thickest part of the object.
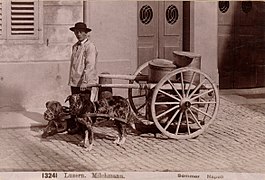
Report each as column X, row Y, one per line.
column 63, row 116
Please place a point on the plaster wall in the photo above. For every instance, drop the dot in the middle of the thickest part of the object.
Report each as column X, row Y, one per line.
column 32, row 73
column 114, row 31
column 204, row 39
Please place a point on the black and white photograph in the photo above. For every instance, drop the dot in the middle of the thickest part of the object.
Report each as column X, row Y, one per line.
column 126, row 89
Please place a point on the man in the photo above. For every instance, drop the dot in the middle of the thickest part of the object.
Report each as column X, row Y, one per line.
column 83, row 65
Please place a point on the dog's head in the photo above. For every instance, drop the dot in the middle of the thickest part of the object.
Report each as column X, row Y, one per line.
column 79, row 104
column 54, row 109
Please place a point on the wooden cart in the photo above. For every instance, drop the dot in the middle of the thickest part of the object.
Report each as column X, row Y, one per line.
column 181, row 100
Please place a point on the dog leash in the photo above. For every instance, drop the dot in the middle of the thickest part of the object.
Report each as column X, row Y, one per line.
column 105, row 115
column 65, row 114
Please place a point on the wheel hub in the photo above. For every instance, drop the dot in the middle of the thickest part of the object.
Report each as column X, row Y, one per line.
column 185, row 104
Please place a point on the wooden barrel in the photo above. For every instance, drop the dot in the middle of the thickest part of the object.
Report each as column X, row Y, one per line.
column 105, row 92
column 188, row 59
column 158, row 68
column 196, row 63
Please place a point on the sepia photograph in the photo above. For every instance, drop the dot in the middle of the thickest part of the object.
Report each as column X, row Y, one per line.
column 126, row 89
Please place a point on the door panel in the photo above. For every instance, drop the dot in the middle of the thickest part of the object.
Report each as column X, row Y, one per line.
column 170, row 28
column 259, row 43
column 226, row 60
column 147, row 31
column 244, row 67
column 245, row 15
column 162, row 35
column 226, row 43
column 241, row 44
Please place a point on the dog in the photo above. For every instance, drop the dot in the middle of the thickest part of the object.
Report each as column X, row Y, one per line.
column 115, row 107
column 56, row 114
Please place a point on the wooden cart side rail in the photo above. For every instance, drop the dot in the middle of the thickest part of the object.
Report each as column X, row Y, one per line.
column 141, row 86
column 118, row 76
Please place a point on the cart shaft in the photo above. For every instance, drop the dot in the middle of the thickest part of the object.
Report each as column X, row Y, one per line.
column 125, row 86
column 118, row 76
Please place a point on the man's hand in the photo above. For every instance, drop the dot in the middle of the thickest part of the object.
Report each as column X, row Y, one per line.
column 83, row 86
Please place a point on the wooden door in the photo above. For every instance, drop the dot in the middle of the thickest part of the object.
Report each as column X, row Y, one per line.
column 241, row 49
column 170, row 28
column 147, row 31
column 226, row 41
column 244, row 68
column 159, row 29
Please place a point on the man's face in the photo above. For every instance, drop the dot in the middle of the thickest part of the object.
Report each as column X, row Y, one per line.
column 80, row 35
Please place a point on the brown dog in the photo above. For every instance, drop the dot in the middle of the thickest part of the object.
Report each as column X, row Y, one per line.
column 56, row 115
column 115, row 107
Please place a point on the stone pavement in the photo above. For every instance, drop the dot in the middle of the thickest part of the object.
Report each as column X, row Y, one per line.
column 235, row 142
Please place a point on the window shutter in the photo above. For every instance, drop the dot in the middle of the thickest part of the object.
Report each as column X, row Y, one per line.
column 2, row 20
column 23, row 21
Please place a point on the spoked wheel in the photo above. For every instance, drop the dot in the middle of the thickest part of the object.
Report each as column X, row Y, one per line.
column 138, row 97
column 191, row 100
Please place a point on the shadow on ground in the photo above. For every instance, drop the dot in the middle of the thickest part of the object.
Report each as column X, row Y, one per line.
column 35, row 117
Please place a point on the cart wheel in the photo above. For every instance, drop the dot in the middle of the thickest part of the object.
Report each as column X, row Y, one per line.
column 191, row 100
column 138, row 97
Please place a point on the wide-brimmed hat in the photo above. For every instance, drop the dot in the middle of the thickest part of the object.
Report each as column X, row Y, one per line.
column 80, row 26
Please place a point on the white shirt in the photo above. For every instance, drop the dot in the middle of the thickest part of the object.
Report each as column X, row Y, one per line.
column 83, row 64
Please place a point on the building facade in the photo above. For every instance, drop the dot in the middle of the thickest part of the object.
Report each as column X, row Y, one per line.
column 35, row 41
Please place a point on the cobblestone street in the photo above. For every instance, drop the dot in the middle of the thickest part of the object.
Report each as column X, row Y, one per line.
column 235, row 142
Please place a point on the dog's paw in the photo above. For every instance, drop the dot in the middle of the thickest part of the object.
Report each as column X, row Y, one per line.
column 116, row 141
column 81, row 143
column 89, row 147
column 122, row 141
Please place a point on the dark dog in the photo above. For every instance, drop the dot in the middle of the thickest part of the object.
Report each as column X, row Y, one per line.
column 56, row 115
column 115, row 107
